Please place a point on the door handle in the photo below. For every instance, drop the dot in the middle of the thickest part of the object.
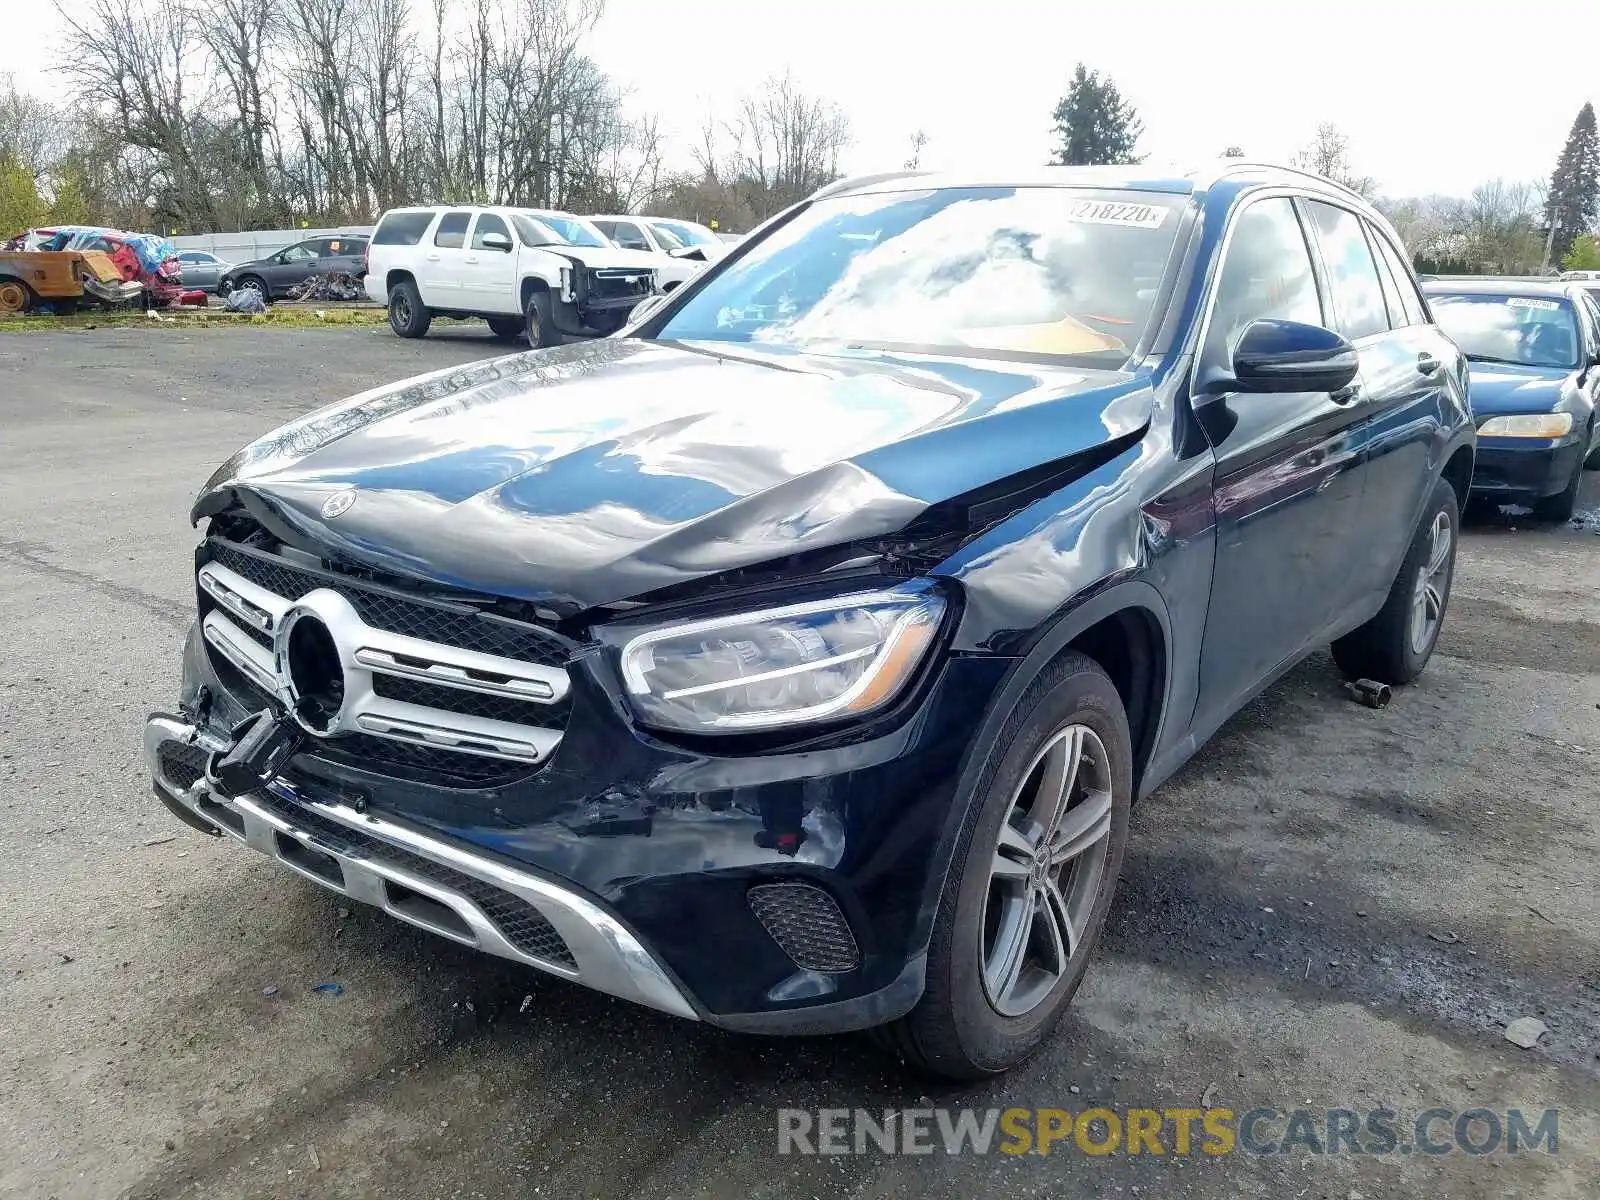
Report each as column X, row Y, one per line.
column 433, row 258
column 1348, row 394
column 472, row 258
column 1427, row 364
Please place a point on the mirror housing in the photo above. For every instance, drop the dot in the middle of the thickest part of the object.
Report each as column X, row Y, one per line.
column 496, row 241
column 645, row 307
column 1286, row 356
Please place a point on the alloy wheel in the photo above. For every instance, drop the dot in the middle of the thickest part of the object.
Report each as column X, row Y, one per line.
column 1427, row 598
column 1046, row 870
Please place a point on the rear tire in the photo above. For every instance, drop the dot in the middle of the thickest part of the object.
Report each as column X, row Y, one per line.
column 1396, row 644
column 985, row 1010
column 539, row 321
column 507, row 329
column 408, row 316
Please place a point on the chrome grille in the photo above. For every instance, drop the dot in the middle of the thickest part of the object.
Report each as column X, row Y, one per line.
column 433, row 684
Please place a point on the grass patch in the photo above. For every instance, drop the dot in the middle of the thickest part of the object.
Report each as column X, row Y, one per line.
column 203, row 318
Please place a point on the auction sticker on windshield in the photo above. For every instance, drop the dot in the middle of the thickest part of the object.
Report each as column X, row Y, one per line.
column 1110, row 212
column 1530, row 302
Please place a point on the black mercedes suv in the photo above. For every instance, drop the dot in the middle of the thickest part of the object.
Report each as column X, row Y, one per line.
column 790, row 661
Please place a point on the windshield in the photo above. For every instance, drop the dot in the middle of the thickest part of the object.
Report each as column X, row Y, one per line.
column 686, row 233
column 1533, row 331
column 551, row 229
column 1043, row 271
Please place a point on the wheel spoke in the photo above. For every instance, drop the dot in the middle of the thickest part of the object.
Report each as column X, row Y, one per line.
column 1435, row 602
column 1004, row 965
column 1012, row 855
column 1441, row 548
column 1056, row 780
column 1063, row 935
column 1083, row 827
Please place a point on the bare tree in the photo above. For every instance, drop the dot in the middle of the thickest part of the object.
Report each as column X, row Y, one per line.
column 786, row 145
column 919, row 140
column 1328, row 155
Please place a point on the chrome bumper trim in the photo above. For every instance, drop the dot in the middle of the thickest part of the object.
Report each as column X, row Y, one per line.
column 608, row 957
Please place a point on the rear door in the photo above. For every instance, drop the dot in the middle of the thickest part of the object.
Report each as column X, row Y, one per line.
column 443, row 269
column 1287, row 492
column 1406, row 368
column 342, row 255
column 491, row 279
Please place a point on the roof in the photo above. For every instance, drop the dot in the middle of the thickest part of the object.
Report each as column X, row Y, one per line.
column 1172, row 180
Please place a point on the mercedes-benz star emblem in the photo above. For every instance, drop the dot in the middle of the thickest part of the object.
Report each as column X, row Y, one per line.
column 338, row 504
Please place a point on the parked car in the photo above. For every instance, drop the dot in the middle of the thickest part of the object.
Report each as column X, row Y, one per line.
column 673, row 264
column 790, row 662
column 1533, row 350
column 681, row 239
column 547, row 275
column 275, row 275
column 201, row 270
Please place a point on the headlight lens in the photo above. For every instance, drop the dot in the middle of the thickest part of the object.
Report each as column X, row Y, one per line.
column 1528, row 425
column 780, row 667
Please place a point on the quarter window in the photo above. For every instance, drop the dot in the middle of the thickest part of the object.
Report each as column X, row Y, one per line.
column 1352, row 275
column 1266, row 276
column 452, row 231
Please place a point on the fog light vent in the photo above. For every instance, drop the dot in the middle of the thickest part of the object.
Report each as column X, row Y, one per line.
column 806, row 922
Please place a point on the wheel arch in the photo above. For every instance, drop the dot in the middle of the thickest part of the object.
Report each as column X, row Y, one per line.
column 525, row 290
column 1127, row 619
column 395, row 277
column 1458, row 472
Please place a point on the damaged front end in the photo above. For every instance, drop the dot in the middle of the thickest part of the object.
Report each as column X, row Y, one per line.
column 587, row 730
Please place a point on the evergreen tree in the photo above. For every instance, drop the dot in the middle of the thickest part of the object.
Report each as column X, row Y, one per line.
column 1094, row 124
column 1574, row 199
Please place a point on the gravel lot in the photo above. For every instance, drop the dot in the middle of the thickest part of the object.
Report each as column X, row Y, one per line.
column 1331, row 906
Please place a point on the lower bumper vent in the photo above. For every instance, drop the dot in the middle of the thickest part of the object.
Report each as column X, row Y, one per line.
column 806, row 923
column 518, row 921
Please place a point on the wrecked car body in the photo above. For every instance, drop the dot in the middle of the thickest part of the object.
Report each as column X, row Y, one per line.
column 790, row 661
column 61, row 281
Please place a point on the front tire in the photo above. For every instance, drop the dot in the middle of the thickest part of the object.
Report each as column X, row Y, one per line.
column 251, row 283
column 1031, row 882
column 408, row 316
column 1564, row 503
column 1396, row 644
column 539, row 321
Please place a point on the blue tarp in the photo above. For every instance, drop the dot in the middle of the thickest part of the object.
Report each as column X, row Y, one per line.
column 150, row 249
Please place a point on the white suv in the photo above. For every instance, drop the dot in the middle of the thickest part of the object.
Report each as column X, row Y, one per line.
column 684, row 241
column 525, row 270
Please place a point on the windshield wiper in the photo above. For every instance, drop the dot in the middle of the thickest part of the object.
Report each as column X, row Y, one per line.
column 1489, row 358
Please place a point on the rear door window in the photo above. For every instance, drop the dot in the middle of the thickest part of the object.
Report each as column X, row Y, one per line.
column 628, row 235
column 1358, row 308
column 452, row 231
column 402, row 228
column 1416, row 311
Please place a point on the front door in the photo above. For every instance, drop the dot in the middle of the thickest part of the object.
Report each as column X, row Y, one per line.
column 490, row 282
column 291, row 266
column 1287, row 487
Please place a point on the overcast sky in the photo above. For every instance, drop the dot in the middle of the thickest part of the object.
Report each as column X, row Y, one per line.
column 1433, row 96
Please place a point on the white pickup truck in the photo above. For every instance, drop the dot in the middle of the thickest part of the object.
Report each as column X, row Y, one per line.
column 548, row 275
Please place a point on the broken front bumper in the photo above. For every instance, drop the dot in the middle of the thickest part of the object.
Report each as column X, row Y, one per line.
column 416, row 877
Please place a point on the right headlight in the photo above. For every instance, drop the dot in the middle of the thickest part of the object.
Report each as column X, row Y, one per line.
column 1528, row 425
column 773, row 668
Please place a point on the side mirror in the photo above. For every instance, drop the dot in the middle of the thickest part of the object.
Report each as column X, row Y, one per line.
column 645, row 307
column 693, row 252
column 1287, row 356
column 496, row 241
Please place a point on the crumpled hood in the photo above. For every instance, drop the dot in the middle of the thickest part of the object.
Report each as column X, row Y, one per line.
column 593, row 473
column 608, row 256
column 1496, row 389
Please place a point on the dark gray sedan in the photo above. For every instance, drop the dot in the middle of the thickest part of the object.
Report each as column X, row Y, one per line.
column 274, row 275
